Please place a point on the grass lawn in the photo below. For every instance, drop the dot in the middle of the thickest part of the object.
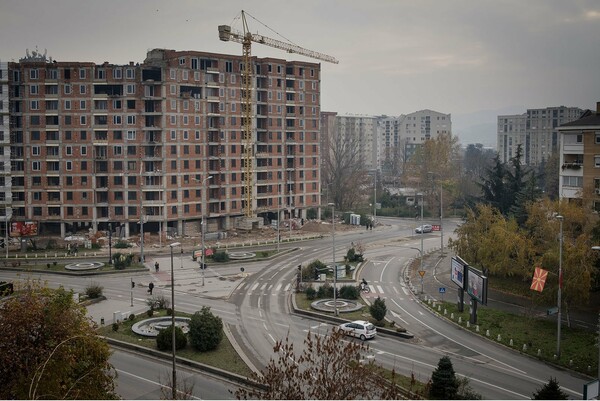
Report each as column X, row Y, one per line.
column 224, row 357
column 577, row 345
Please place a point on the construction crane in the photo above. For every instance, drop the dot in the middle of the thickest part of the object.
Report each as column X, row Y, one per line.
column 246, row 38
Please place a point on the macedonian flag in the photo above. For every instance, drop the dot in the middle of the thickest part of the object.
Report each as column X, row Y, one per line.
column 539, row 279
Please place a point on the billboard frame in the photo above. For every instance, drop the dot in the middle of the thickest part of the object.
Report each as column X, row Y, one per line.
column 477, row 285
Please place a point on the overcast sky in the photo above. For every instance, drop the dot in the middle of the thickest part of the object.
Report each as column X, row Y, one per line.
column 396, row 56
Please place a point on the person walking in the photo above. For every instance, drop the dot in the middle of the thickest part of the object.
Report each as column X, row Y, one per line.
column 150, row 287
column 156, row 266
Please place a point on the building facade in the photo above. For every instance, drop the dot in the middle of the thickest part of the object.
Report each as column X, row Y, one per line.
column 580, row 159
column 5, row 181
column 399, row 137
column 94, row 146
column 536, row 131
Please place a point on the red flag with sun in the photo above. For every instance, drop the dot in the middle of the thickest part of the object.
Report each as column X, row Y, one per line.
column 539, row 279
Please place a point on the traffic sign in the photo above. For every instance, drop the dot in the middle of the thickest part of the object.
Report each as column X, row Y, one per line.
column 422, row 273
column 442, row 290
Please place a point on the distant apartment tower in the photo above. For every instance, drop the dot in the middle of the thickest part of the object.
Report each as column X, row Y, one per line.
column 5, row 181
column 536, row 131
column 399, row 137
column 99, row 145
column 580, row 159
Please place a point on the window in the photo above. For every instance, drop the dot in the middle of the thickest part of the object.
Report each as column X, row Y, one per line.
column 68, row 89
column 131, row 135
column 117, row 120
column 130, row 73
column 82, row 120
column 130, row 89
column 35, row 165
column 34, row 105
column 83, row 150
column 573, row 181
column 117, row 73
column 131, row 120
column 83, row 168
column 67, row 105
column 69, row 150
column 34, row 89
column 34, row 73
column 82, row 104
column 82, row 73
column 69, row 165
column 117, row 150
column 597, row 161
column 35, row 150
column 82, row 89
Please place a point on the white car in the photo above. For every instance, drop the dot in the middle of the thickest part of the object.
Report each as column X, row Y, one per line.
column 425, row 228
column 359, row 328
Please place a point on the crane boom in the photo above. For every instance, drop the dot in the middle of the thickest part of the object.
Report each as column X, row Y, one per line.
column 246, row 38
column 226, row 34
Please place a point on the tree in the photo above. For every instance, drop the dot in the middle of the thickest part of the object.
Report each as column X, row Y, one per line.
column 343, row 170
column 378, row 309
column 164, row 340
column 444, row 384
column 328, row 369
column 550, row 391
column 206, row 330
column 49, row 348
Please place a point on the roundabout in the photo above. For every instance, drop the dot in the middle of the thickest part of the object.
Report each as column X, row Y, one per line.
column 82, row 266
column 343, row 305
column 241, row 255
column 151, row 327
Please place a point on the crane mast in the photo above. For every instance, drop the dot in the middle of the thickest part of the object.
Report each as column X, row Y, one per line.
column 246, row 38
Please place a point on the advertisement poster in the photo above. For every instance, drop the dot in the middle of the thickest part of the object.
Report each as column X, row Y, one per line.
column 23, row 228
column 457, row 272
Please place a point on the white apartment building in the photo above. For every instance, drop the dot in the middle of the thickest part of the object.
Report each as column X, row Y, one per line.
column 401, row 136
column 536, row 131
column 362, row 131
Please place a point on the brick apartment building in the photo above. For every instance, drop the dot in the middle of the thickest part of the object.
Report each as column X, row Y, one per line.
column 98, row 144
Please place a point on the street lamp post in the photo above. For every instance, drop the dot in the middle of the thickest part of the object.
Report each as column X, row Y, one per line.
column 109, row 244
column 560, row 220
column 597, row 248
column 202, row 265
column 335, row 308
column 174, row 384
column 422, row 234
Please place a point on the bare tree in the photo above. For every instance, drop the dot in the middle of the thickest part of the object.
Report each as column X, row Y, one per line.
column 343, row 170
column 327, row 369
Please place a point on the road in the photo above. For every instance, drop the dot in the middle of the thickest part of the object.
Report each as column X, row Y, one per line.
column 255, row 304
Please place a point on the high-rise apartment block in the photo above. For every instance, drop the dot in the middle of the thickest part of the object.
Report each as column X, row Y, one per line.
column 98, row 144
column 5, row 181
column 400, row 136
column 536, row 131
column 580, row 160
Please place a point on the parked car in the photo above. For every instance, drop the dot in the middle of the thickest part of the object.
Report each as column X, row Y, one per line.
column 425, row 228
column 359, row 328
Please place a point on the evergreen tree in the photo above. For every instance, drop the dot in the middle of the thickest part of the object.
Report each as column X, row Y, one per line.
column 528, row 194
column 444, row 384
column 378, row 309
column 206, row 330
column 550, row 391
column 493, row 187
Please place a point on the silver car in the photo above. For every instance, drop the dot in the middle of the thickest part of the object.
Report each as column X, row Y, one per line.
column 359, row 328
column 425, row 228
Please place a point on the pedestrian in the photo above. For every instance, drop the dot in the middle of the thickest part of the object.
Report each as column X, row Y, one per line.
column 150, row 287
column 156, row 266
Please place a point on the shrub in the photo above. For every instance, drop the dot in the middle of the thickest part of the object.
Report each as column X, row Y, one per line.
column 132, row 317
column 121, row 260
column 48, row 265
column 122, row 245
column 55, row 263
column 206, row 330
column 164, row 340
column 150, row 312
column 158, row 302
column 115, row 326
column 169, row 311
column 94, row 291
column 221, row 256
column 349, row 292
column 325, row 291
column 353, row 255
column 378, row 309
column 311, row 293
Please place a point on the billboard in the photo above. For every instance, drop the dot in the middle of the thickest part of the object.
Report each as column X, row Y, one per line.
column 23, row 228
column 457, row 271
column 477, row 285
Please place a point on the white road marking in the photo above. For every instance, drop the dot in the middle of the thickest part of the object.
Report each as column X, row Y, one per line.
column 380, row 289
column 278, row 287
column 254, row 286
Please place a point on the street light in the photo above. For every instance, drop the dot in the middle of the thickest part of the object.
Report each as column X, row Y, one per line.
column 109, row 244
column 202, row 223
column 174, row 384
column 597, row 248
column 422, row 234
column 441, row 213
column 560, row 220
column 335, row 309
